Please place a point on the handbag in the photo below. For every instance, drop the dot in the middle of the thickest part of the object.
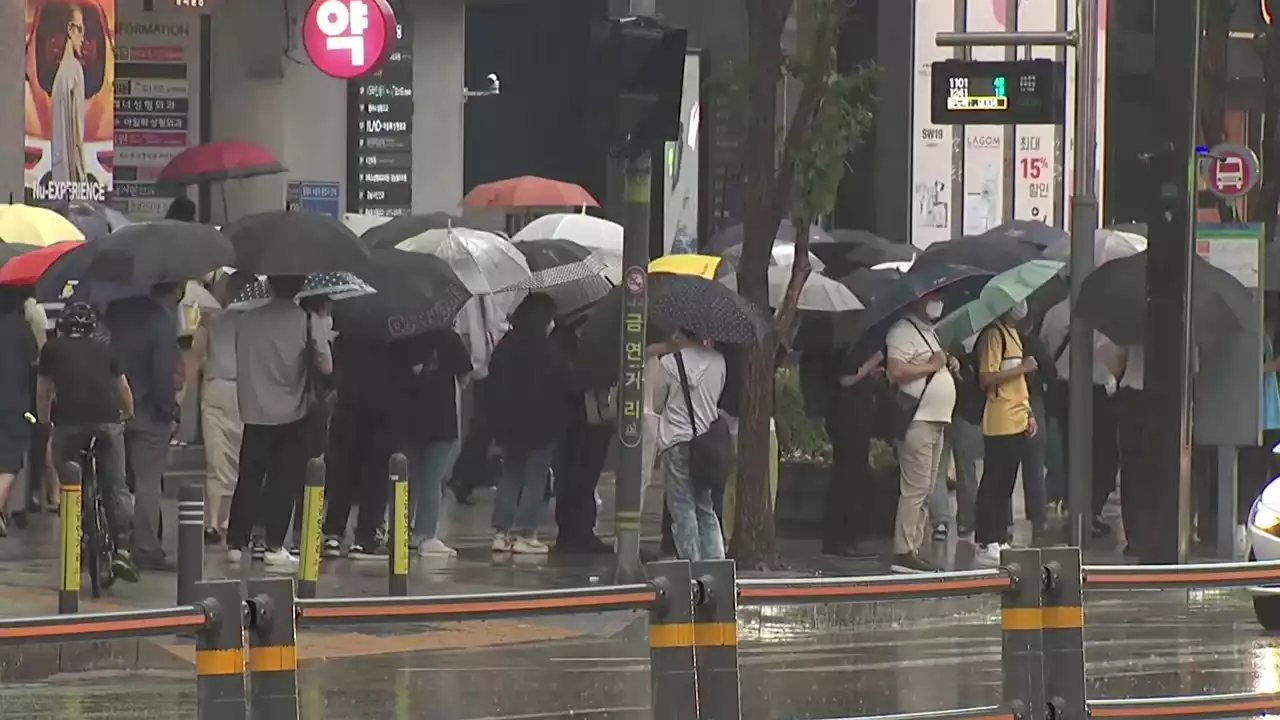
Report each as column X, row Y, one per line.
column 711, row 452
column 902, row 409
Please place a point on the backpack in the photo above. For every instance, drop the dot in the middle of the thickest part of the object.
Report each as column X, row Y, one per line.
column 971, row 398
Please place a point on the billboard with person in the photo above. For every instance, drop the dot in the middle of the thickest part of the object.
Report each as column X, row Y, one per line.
column 69, row 63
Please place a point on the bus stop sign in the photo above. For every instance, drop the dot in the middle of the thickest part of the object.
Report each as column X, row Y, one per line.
column 1230, row 170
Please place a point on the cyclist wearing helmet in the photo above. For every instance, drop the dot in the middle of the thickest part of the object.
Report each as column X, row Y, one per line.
column 82, row 393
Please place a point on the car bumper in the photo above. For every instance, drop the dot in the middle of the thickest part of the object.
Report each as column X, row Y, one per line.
column 1264, row 546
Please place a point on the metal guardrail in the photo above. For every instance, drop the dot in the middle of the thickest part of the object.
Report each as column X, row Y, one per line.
column 478, row 606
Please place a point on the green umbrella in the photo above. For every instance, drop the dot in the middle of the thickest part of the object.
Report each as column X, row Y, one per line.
column 998, row 297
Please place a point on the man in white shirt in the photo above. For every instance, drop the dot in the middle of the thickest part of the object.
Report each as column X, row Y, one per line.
column 694, row 524
column 917, row 366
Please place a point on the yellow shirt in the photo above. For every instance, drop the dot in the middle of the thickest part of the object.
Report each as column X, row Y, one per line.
column 1008, row 410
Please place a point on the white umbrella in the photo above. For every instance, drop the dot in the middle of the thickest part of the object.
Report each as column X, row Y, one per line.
column 485, row 263
column 359, row 223
column 1108, row 245
column 783, row 254
column 604, row 238
column 819, row 293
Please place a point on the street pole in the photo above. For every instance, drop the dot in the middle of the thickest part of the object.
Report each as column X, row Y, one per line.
column 1084, row 223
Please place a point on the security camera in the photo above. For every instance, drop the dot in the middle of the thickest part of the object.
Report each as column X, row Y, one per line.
column 495, row 88
column 495, row 85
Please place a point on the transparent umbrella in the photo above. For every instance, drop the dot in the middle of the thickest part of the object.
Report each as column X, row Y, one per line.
column 485, row 263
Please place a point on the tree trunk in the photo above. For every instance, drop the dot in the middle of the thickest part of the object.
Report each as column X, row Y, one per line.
column 1213, row 81
column 1269, row 195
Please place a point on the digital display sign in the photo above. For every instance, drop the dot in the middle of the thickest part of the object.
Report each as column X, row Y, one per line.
column 976, row 92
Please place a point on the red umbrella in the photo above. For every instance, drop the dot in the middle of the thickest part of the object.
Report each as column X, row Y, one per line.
column 220, row 160
column 529, row 191
column 27, row 268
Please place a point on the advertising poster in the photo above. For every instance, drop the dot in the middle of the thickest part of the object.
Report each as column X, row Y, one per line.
column 156, row 98
column 1037, row 162
column 69, row 104
column 932, row 171
column 984, row 145
column 680, row 191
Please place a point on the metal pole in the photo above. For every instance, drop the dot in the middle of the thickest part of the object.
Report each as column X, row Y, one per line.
column 671, row 657
column 1084, row 223
column 1064, row 684
column 69, row 514
column 1022, row 625
column 220, row 653
column 190, row 540
column 312, row 506
column 273, row 649
column 715, row 640
column 398, row 558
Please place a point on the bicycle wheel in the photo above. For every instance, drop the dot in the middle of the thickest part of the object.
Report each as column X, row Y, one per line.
column 97, row 550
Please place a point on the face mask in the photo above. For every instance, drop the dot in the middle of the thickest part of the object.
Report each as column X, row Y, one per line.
column 1018, row 312
column 551, row 326
column 933, row 309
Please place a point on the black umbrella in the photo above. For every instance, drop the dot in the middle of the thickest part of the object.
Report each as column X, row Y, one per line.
column 1032, row 231
column 955, row 285
column 95, row 220
column 733, row 235
column 401, row 228
column 1114, row 300
column 557, row 262
column 676, row 302
column 9, row 251
column 294, row 243
column 994, row 254
column 415, row 293
column 142, row 255
column 861, row 248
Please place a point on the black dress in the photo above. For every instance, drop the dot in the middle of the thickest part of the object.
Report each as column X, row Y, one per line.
column 18, row 355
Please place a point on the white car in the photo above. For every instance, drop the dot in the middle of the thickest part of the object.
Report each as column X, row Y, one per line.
column 1264, row 544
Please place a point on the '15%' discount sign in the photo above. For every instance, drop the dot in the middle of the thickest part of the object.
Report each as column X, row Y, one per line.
column 348, row 38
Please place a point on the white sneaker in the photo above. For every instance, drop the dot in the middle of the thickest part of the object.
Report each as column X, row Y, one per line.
column 987, row 556
column 279, row 558
column 501, row 543
column 434, row 547
column 234, row 555
column 529, row 546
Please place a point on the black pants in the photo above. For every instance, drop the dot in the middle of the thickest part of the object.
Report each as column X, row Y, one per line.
column 851, row 490
column 1130, row 420
column 273, row 466
column 1002, row 456
column 361, row 442
column 583, row 455
column 1106, row 447
column 471, row 470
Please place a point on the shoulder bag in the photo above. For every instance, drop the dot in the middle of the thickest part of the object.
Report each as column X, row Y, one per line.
column 711, row 452
column 903, row 408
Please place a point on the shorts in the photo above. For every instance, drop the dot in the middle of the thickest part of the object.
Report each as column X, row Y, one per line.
column 15, row 441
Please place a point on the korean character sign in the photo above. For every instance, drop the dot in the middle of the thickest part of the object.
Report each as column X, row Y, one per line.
column 348, row 38
column 631, row 391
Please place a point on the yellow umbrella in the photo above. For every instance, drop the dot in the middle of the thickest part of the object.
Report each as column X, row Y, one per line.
column 37, row 226
column 705, row 266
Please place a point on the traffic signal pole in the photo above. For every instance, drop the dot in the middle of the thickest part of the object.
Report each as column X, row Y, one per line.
column 1084, row 222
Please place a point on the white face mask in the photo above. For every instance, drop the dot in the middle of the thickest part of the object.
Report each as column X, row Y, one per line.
column 1018, row 312
column 933, row 309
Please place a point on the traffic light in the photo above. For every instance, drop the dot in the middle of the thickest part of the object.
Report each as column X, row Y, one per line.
column 640, row 78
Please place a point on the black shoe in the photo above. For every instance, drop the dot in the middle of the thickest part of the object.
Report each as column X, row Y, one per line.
column 212, row 536
column 911, row 563
column 368, row 551
column 20, row 519
column 258, row 550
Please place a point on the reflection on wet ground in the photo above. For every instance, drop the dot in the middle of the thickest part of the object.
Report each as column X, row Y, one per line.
column 797, row 664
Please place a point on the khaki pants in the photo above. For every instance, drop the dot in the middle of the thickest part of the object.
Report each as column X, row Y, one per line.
column 222, row 432
column 919, row 455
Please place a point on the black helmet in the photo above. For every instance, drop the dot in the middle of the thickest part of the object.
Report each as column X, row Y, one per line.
column 78, row 319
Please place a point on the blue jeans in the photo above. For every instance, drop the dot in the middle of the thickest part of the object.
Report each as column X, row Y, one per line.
column 695, row 527
column 109, row 457
column 964, row 442
column 522, row 492
column 427, row 488
column 1033, row 465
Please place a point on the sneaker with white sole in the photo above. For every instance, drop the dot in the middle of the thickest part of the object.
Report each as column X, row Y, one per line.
column 279, row 557
column 332, row 548
column 376, row 551
column 987, row 556
column 529, row 546
column 435, row 548
column 501, row 542
column 235, row 555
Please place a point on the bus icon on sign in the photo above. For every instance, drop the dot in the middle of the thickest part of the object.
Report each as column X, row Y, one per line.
column 1229, row 170
column 1229, row 175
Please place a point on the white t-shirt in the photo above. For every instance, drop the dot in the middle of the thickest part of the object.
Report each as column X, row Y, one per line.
column 706, row 370
column 912, row 341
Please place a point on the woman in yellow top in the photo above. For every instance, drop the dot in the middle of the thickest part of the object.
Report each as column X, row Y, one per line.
column 1007, row 423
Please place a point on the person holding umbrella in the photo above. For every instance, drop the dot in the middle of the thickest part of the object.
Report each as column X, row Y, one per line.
column 18, row 355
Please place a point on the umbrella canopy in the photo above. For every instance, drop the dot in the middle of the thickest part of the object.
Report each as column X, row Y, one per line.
column 1108, row 245
column 27, row 268
column 574, row 298
column 603, row 237
column 485, row 263
column 360, row 223
column 219, row 160
column 96, row 220
column 416, row 293
column 292, row 243
column 1114, row 300
column 706, row 307
column 818, row 294
column 337, row 285
column 146, row 254
column 783, row 252
column 703, row 266
column 559, row 262
column 998, row 297
column 733, row 235
column 8, row 251
column 401, row 228
column 954, row 285
column 991, row 253
column 32, row 225
column 529, row 191
column 862, row 248
column 1032, row 231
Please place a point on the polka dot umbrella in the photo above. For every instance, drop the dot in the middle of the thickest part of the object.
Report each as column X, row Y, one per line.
column 334, row 285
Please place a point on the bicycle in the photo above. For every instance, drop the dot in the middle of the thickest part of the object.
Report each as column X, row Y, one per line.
column 98, row 546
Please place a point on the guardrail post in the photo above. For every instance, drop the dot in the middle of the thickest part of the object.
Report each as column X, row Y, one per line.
column 715, row 639
column 309, row 550
column 190, row 541
column 1063, row 634
column 671, row 663
column 1021, row 646
column 273, row 649
column 398, row 558
column 69, row 514
column 220, row 653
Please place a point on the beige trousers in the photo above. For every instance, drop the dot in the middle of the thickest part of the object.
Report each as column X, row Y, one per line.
column 919, row 455
column 220, row 413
